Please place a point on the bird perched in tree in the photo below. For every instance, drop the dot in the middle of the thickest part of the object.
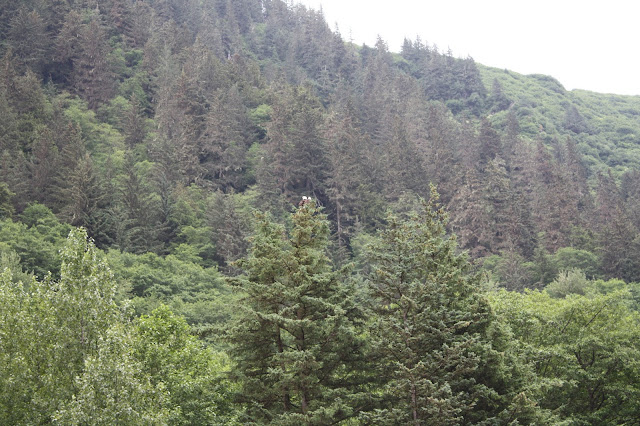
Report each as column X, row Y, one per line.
column 305, row 200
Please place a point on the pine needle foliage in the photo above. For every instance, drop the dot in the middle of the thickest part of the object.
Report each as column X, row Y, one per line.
column 299, row 356
column 432, row 328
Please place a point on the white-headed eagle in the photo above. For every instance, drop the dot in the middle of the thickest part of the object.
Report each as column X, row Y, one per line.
column 305, row 200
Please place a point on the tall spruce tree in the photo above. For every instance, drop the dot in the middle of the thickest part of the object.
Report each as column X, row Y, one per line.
column 295, row 159
column 296, row 344
column 346, row 146
column 432, row 329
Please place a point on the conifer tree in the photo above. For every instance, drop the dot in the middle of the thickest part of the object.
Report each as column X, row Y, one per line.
column 6, row 208
column 92, row 76
column 489, row 144
column 140, row 23
column 510, row 218
column 231, row 226
column 630, row 192
column 135, row 123
column 295, row 343
column 471, row 215
column 8, row 117
column 14, row 172
column 442, row 162
column 616, row 234
column 181, row 114
column 554, row 201
column 29, row 39
column 432, row 328
column 80, row 194
column 139, row 227
column 498, row 100
column 295, row 157
column 225, row 140
column 119, row 16
column 403, row 170
column 43, row 166
column 346, row 152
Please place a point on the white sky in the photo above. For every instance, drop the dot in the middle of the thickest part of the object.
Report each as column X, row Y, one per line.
column 588, row 44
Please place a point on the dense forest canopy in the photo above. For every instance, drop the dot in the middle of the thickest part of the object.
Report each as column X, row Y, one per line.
column 158, row 265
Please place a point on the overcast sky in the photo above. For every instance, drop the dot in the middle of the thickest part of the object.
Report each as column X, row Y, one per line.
column 591, row 45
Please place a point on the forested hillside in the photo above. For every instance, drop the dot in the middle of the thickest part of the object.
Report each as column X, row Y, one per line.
column 160, row 267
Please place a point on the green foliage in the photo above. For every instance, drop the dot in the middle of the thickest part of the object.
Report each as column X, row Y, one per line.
column 197, row 293
column 572, row 281
column 36, row 240
column 159, row 126
column 100, row 138
column 259, row 116
column 194, row 377
column 584, row 349
column 6, row 208
column 602, row 125
column 295, row 342
column 85, row 294
column 568, row 258
column 56, row 325
column 114, row 112
column 10, row 261
column 69, row 356
column 510, row 269
column 113, row 388
column 432, row 329
column 514, row 272
column 194, row 108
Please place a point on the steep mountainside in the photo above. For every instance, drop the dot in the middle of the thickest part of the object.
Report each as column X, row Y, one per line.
column 159, row 124
column 606, row 127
